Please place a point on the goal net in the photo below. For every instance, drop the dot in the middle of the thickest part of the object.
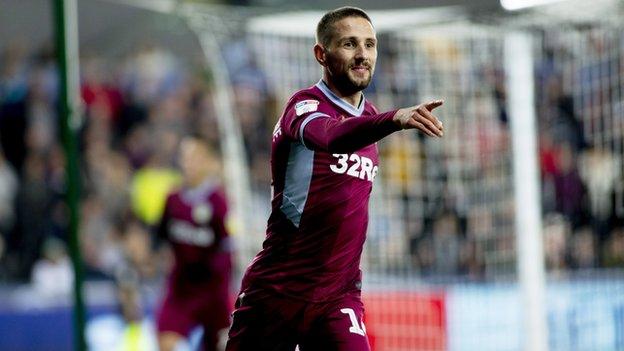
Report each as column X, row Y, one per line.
column 441, row 256
column 442, row 209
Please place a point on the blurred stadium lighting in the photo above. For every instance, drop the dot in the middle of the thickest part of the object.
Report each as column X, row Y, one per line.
column 512, row 5
column 302, row 23
column 164, row 6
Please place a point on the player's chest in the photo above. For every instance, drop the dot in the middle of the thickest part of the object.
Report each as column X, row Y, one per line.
column 198, row 212
column 362, row 165
column 189, row 224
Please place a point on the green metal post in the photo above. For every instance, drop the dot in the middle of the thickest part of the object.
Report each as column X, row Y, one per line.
column 65, row 20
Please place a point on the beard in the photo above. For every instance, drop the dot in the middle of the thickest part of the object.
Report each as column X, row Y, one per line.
column 347, row 81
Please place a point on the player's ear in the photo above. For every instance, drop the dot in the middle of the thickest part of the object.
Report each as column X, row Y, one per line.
column 319, row 54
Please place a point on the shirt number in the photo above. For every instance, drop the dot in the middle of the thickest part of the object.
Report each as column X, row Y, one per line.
column 355, row 166
column 355, row 325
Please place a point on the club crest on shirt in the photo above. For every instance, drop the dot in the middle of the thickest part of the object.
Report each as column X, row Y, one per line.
column 201, row 214
column 306, row 106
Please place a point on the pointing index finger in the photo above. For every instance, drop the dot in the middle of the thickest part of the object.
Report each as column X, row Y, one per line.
column 433, row 104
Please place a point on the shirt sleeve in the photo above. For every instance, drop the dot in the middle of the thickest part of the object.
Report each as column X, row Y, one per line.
column 219, row 205
column 346, row 135
column 298, row 114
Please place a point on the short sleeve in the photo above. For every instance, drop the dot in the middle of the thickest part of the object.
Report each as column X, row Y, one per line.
column 161, row 229
column 218, row 202
column 299, row 113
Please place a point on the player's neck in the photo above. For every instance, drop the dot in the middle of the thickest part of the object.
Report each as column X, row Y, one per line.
column 198, row 182
column 352, row 99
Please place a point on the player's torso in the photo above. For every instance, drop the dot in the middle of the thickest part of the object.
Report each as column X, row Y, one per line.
column 189, row 226
column 321, row 186
column 196, row 239
column 319, row 213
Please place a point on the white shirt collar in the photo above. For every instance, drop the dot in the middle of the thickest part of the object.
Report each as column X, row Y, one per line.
column 196, row 194
column 340, row 102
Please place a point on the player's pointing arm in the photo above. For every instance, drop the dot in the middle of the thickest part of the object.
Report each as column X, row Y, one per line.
column 351, row 134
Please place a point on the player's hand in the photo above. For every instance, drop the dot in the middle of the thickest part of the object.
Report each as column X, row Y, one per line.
column 420, row 117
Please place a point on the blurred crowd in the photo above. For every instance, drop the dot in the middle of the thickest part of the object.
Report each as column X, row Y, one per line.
column 581, row 142
column 460, row 218
column 134, row 111
column 136, row 108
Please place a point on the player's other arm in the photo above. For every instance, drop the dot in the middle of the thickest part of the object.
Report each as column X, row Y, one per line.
column 351, row 134
column 220, row 209
column 161, row 229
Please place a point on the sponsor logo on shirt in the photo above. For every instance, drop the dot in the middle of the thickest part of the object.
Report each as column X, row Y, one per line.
column 185, row 233
column 306, row 106
column 201, row 214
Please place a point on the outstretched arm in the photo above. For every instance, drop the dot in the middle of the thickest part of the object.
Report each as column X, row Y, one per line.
column 351, row 134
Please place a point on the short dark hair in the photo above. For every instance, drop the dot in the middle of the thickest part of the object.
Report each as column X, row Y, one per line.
column 209, row 146
column 325, row 27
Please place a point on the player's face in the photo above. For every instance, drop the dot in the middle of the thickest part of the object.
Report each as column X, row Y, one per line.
column 194, row 161
column 352, row 54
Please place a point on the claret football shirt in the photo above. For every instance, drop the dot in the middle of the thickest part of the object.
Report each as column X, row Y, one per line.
column 322, row 176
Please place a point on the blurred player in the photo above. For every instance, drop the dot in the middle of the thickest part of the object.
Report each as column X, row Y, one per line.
column 194, row 224
column 303, row 288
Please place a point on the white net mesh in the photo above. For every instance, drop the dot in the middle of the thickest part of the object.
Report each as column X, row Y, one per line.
column 580, row 100
column 440, row 261
column 442, row 209
column 456, row 191
column 441, row 240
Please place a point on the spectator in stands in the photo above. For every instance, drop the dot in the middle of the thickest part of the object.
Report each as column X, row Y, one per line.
column 9, row 185
column 569, row 187
column 599, row 171
column 557, row 233
column 13, row 103
column 130, row 328
column 52, row 275
column 33, row 215
column 614, row 249
column 446, row 244
column 583, row 249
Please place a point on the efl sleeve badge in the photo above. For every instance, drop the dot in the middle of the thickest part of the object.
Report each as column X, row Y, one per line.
column 306, row 106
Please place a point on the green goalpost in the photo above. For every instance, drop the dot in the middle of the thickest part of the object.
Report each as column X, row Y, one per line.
column 66, row 32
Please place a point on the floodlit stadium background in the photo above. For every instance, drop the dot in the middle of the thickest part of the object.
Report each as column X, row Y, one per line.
column 444, row 257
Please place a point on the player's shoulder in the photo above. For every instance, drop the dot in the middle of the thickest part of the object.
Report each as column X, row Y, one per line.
column 309, row 93
column 217, row 199
column 217, row 192
column 308, row 101
column 302, row 96
column 173, row 198
column 174, row 193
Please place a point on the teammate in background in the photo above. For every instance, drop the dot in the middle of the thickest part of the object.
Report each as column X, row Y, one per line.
column 303, row 288
column 198, row 288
